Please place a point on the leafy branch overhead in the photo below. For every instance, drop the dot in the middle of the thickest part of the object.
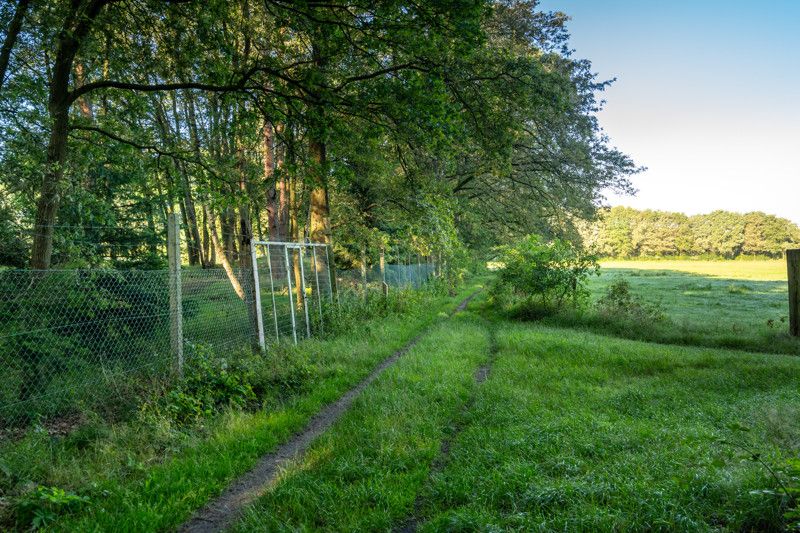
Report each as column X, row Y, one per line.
column 465, row 122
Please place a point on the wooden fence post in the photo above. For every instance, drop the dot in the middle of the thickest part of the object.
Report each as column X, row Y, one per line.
column 382, row 262
column 175, row 297
column 793, row 264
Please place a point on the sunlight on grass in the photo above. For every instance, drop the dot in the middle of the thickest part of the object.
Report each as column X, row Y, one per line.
column 760, row 270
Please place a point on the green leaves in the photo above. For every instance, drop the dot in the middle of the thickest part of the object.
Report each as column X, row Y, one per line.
column 548, row 273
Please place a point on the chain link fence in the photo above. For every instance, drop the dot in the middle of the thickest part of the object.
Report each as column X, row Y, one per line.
column 72, row 338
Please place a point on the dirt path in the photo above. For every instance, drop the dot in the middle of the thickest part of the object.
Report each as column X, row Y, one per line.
column 221, row 512
column 411, row 523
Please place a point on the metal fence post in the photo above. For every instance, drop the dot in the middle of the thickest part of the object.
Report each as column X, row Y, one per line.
column 364, row 270
column 289, row 280
column 318, row 289
column 331, row 274
column 257, row 296
column 300, row 255
column 382, row 263
column 272, row 291
column 175, row 297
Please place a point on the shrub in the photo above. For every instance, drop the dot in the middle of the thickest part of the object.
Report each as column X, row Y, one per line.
column 620, row 303
column 539, row 277
column 41, row 506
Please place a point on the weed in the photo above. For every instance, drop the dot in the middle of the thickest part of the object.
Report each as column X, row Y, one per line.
column 209, row 384
column 43, row 505
column 739, row 288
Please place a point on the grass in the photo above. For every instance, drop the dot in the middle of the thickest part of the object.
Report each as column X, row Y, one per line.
column 150, row 474
column 579, row 432
column 376, row 458
column 757, row 270
column 726, row 304
column 571, row 432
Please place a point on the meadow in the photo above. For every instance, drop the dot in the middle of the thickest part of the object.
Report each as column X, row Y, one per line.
column 726, row 304
column 570, row 431
column 487, row 423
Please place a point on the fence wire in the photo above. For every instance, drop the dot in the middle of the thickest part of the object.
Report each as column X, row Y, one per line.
column 72, row 338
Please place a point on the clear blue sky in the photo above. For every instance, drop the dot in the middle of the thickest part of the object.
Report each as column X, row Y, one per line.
column 707, row 97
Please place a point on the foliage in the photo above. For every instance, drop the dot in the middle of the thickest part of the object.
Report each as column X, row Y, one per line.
column 543, row 275
column 792, row 488
column 210, row 382
column 449, row 122
column 40, row 507
column 620, row 303
column 627, row 233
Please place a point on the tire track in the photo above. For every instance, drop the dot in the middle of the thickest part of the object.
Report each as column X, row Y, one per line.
column 221, row 512
column 457, row 425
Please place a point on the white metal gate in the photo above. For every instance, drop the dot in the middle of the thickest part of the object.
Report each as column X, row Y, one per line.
column 293, row 280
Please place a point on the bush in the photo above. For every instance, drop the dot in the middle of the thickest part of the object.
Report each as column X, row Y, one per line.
column 620, row 303
column 38, row 508
column 538, row 278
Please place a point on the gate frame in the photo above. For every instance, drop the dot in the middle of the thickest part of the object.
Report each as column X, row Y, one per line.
column 300, row 247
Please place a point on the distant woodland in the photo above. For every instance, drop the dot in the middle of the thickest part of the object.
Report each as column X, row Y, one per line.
column 624, row 232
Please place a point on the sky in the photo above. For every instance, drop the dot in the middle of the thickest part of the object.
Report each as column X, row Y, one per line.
column 707, row 98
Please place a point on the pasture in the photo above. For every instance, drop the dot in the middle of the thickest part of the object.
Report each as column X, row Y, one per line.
column 727, row 304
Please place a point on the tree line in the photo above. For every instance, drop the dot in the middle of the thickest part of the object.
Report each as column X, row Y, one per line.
column 439, row 124
column 624, row 232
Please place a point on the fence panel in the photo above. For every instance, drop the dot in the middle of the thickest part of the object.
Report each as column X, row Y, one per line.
column 295, row 287
column 64, row 333
column 73, row 337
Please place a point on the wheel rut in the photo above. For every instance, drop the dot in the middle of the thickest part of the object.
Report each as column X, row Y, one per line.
column 221, row 512
column 458, row 424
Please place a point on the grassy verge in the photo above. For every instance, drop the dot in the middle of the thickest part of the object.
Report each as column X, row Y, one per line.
column 364, row 474
column 579, row 432
column 150, row 473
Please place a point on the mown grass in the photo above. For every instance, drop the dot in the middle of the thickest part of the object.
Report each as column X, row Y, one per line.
column 726, row 304
column 571, row 432
column 149, row 473
column 364, row 473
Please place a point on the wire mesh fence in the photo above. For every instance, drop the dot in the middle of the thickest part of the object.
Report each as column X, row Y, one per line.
column 63, row 330
column 371, row 277
column 71, row 338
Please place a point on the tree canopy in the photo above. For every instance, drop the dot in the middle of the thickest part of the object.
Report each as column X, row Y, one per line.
column 627, row 232
column 433, row 123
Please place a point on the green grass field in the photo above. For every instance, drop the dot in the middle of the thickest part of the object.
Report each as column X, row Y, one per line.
column 492, row 424
column 727, row 304
column 570, row 432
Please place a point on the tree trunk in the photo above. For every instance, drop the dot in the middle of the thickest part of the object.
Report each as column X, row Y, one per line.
column 209, row 252
column 48, row 201
column 73, row 32
column 237, row 287
column 320, row 222
column 268, row 138
column 229, row 234
column 11, row 38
